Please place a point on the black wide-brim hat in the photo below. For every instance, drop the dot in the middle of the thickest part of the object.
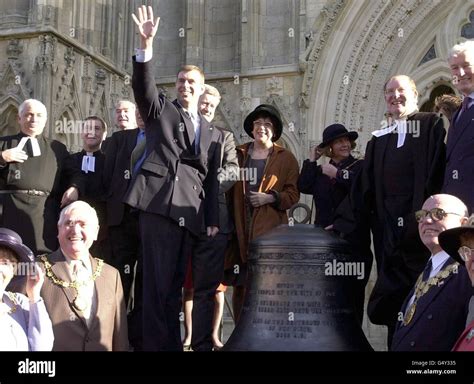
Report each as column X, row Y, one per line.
column 13, row 241
column 265, row 110
column 335, row 131
column 450, row 240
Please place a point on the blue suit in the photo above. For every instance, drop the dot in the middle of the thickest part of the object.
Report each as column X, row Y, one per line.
column 459, row 175
column 440, row 315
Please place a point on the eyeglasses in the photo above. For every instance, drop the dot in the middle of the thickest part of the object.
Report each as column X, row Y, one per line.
column 436, row 214
column 72, row 223
column 259, row 123
column 466, row 253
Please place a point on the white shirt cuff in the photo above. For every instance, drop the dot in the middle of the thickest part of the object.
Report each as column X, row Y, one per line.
column 143, row 55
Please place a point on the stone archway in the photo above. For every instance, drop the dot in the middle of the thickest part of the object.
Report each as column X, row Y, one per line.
column 438, row 90
column 357, row 47
column 361, row 44
column 9, row 120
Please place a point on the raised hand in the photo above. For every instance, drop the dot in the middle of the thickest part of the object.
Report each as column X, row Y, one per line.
column 315, row 153
column 147, row 26
column 34, row 283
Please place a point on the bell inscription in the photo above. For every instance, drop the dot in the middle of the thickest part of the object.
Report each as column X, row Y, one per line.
column 292, row 304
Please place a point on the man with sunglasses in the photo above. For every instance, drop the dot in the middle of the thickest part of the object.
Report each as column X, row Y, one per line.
column 435, row 311
column 459, row 244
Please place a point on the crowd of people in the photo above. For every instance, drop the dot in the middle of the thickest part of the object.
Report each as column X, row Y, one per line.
column 100, row 250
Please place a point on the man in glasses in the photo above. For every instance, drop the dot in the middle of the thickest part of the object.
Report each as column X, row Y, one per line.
column 435, row 311
column 459, row 244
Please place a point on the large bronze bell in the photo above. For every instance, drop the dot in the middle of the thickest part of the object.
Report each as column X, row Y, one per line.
column 298, row 294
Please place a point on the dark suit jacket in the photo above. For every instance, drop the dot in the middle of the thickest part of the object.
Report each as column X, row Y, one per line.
column 173, row 181
column 35, row 217
column 108, row 329
column 328, row 193
column 227, row 175
column 459, row 174
column 117, row 173
column 429, row 153
column 439, row 318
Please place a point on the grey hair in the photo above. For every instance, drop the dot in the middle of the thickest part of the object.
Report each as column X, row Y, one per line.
column 210, row 90
column 23, row 106
column 131, row 103
column 466, row 46
column 81, row 205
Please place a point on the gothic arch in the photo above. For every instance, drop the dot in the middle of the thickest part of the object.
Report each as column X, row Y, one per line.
column 9, row 116
column 361, row 45
column 65, row 129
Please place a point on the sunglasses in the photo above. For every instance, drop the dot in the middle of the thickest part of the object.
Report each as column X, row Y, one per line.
column 466, row 253
column 436, row 214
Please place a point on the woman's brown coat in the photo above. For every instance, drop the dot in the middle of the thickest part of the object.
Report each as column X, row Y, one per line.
column 280, row 176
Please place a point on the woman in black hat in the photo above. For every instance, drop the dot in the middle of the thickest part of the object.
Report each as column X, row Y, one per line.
column 265, row 191
column 24, row 322
column 330, row 183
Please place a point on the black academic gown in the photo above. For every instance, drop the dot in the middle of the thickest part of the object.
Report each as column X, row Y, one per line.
column 94, row 190
column 399, row 253
column 35, row 218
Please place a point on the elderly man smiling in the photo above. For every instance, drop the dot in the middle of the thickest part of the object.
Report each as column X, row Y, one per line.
column 435, row 311
column 33, row 172
column 83, row 295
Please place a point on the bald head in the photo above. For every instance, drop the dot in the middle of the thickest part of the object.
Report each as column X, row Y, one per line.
column 32, row 116
column 429, row 228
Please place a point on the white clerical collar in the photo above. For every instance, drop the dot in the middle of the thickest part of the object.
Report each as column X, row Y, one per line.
column 88, row 162
column 34, row 145
column 401, row 128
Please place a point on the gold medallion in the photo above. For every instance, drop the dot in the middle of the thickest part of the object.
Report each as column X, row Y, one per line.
column 80, row 303
column 409, row 314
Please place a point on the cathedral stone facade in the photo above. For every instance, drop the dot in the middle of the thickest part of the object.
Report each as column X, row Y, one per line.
column 317, row 61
